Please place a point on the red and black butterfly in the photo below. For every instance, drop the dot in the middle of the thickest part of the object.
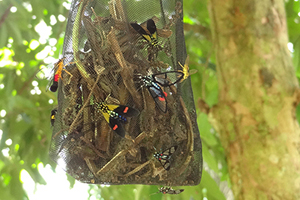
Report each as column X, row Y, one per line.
column 165, row 156
column 155, row 81
column 52, row 116
column 169, row 190
column 58, row 68
column 115, row 115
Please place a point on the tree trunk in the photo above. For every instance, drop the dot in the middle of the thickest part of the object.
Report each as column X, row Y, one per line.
column 258, row 94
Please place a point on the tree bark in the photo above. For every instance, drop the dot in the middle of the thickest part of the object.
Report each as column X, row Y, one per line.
column 258, row 94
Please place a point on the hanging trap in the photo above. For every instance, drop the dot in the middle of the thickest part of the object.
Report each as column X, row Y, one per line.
column 125, row 110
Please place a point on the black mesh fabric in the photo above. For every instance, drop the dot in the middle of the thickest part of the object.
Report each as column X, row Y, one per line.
column 106, row 58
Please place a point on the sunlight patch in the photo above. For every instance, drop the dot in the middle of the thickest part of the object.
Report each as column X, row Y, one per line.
column 55, row 182
column 67, row 5
column 2, row 113
column 13, row 9
column 5, row 152
column 44, row 31
column 6, row 55
column 8, row 142
column 44, row 53
column 290, row 47
column 53, row 20
column 27, row 6
column 35, row 83
column 34, row 44
column 61, row 18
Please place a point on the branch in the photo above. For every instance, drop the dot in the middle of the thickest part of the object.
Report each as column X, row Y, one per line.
column 4, row 16
column 202, row 30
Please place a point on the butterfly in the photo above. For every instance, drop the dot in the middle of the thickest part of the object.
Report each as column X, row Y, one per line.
column 58, row 68
column 150, row 34
column 169, row 190
column 165, row 156
column 154, row 82
column 185, row 69
column 116, row 115
column 52, row 116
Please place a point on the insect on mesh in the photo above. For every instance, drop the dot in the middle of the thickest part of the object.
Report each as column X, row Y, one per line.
column 107, row 59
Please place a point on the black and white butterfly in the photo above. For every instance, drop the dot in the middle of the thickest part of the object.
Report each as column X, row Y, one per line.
column 169, row 190
column 165, row 156
column 154, row 82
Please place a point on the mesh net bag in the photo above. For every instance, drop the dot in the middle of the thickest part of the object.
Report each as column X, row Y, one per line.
column 125, row 108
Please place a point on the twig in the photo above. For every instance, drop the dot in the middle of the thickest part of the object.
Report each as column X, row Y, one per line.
column 5, row 14
column 77, row 116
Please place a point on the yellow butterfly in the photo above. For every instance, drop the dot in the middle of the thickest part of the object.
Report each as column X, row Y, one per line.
column 185, row 69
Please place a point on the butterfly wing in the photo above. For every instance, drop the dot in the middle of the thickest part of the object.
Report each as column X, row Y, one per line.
column 126, row 111
column 141, row 31
column 117, row 126
column 153, row 32
column 179, row 191
column 172, row 191
column 105, row 115
column 169, row 190
column 50, row 83
column 165, row 156
column 53, row 83
column 116, row 115
column 168, row 78
column 54, row 86
column 185, row 69
column 164, row 190
column 114, row 123
column 152, row 28
column 158, row 96
column 52, row 116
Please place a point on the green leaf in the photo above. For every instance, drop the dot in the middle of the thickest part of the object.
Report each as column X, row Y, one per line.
column 71, row 180
column 213, row 191
column 209, row 158
column 15, row 33
column 205, row 130
column 35, row 175
column 4, row 37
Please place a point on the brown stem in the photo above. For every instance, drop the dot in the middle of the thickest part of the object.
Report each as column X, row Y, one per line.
column 5, row 14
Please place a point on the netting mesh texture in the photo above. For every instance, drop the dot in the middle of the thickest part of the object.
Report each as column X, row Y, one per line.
column 125, row 113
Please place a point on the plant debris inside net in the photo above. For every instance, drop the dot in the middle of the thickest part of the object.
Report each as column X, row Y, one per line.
column 121, row 118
